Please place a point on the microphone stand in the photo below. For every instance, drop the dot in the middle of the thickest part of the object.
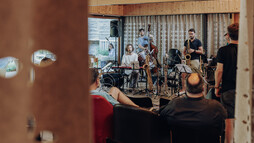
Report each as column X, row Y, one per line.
column 116, row 63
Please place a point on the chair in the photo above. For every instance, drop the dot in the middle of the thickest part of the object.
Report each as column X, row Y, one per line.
column 137, row 125
column 210, row 71
column 204, row 134
column 103, row 119
column 163, row 102
column 144, row 102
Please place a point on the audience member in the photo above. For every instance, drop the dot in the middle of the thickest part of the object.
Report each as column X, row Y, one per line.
column 192, row 109
column 225, row 75
column 114, row 95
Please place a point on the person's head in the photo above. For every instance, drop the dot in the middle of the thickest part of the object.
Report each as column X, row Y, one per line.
column 110, row 46
column 191, row 33
column 95, row 80
column 233, row 31
column 129, row 48
column 194, row 83
column 142, row 31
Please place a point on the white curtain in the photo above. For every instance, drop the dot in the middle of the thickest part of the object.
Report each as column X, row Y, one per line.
column 169, row 32
column 216, row 28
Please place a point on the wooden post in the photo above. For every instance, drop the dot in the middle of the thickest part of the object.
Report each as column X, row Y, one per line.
column 14, row 92
column 243, row 112
column 60, row 96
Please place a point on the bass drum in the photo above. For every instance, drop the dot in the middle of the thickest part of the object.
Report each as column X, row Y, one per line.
column 174, row 57
column 113, row 79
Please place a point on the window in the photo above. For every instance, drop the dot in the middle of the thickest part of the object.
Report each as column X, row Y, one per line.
column 102, row 48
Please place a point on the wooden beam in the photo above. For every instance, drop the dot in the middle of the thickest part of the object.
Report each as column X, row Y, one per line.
column 110, row 10
column 190, row 7
column 119, row 2
column 169, row 8
column 243, row 108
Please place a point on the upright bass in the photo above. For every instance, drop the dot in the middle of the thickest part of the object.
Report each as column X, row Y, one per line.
column 154, row 50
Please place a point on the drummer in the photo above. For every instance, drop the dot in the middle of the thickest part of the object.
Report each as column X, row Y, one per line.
column 130, row 59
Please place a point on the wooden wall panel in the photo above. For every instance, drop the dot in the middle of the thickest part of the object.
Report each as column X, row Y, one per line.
column 236, row 18
column 15, row 92
column 190, row 7
column 111, row 10
column 116, row 2
column 60, row 95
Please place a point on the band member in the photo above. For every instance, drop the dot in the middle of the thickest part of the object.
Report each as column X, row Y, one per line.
column 143, row 43
column 111, row 50
column 130, row 59
column 226, row 74
column 195, row 49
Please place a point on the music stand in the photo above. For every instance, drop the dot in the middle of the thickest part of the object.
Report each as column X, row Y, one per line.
column 183, row 68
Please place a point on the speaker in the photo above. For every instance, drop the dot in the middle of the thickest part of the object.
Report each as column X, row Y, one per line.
column 114, row 25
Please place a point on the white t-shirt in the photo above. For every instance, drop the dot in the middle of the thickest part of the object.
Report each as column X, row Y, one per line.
column 127, row 60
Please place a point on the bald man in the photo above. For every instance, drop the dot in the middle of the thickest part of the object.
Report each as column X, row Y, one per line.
column 193, row 109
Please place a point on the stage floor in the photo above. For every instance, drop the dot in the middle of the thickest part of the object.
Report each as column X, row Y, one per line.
column 140, row 92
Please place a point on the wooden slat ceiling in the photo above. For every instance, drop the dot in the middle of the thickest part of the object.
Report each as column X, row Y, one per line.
column 122, row 2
